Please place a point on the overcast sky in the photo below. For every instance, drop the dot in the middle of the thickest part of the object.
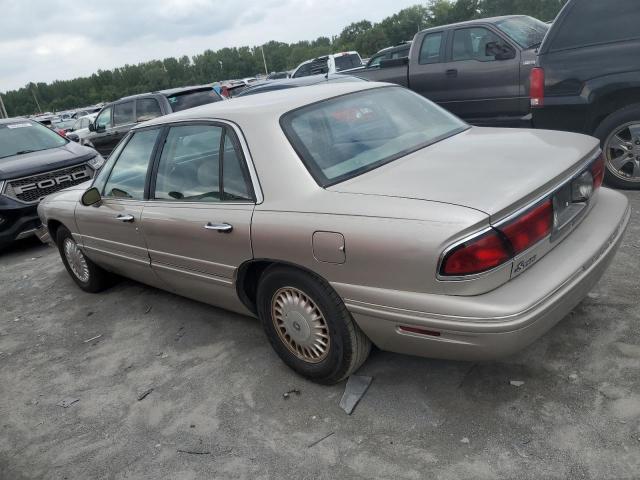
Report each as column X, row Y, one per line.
column 45, row 40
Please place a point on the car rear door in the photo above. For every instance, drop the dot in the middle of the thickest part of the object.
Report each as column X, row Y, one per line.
column 111, row 231
column 197, row 223
column 427, row 68
column 481, row 85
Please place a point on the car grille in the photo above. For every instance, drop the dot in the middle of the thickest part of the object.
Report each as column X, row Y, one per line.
column 33, row 189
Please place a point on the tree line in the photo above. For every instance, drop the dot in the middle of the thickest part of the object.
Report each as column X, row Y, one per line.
column 228, row 63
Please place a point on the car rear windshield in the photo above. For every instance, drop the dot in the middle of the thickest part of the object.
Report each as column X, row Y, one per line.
column 343, row 137
column 345, row 62
column 193, row 98
column 528, row 32
column 25, row 136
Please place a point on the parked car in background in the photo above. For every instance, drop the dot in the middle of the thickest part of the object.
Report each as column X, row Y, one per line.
column 587, row 80
column 398, row 223
column 83, row 112
column 478, row 70
column 269, row 86
column 278, row 75
column 328, row 64
column 117, row 118
column 80, row 129
column 390, row 53
column 34, row 162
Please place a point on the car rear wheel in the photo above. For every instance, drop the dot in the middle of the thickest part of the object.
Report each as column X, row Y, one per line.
column 619, row 134
column 309, row 326
column 87, row 275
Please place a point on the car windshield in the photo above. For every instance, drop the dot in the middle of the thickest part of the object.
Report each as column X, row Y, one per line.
column 343, row 137
column 24, row 136
column 528, row 32
column 194, row 98
column 345, row 62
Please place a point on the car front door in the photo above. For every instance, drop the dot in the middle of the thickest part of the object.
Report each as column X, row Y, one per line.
column 197, row 223
column 482, row 85
column 110, row 231
column 100, row 138
column 124, row 119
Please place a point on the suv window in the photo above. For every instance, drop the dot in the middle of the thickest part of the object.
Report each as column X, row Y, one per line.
column 303, row 71
column 193, row 98
column 608, row 21
column 431, row 48
column 471, row 44
column 128, row 176
column 147, row 109
column 345, row 62
column 403, row 53
column 123, row 113
column 375, row 61
column 104, row 119
column 190, row 169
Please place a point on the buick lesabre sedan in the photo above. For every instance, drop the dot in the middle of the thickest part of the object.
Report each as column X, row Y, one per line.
column 349, row 214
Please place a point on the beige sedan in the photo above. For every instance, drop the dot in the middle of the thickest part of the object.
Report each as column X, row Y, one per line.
column 349, row 214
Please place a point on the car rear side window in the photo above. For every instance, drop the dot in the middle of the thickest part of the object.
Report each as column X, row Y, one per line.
column 123, row 113
column 193, row 98
column 431, row 48
column 343, row 137
column 596, row 22
column 147, row 109
column 201, row 163
column 128, row 176
column 345, row 62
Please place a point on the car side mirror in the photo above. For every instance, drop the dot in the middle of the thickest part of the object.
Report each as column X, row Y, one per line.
column 91, row 197
column 92, row 127
column 73, row 137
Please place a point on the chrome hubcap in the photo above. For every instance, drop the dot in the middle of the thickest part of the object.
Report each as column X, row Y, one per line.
column 300, row 324
column 622, row 149
column 75, row 259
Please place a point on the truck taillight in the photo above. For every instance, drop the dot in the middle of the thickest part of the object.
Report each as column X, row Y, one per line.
column 499, row 245
column 536, row 88
column 597, row 170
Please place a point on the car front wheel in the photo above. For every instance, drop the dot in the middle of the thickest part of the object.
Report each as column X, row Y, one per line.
column 619, row 134
column 87, row 275
column 309, row 326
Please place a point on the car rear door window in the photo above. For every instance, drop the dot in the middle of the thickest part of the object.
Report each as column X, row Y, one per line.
column 430, row 51
column 123, row 113
column 596, row 22
column 471, row 44
column 201, row 163
column 147, row 109
column 128, row 176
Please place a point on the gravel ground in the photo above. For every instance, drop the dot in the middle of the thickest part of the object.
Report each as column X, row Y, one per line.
column 217, row 408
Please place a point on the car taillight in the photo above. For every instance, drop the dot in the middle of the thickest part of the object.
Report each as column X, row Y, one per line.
column 536, row 88
column 499, row 245
column 597, row 170
column 529, row 228
column 476, row 256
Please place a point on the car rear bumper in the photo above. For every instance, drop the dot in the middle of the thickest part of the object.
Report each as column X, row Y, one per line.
column 507, row 319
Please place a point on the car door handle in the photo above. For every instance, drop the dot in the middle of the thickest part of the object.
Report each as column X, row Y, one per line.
column 452, row 73
column 219, row 227
column 125, row 218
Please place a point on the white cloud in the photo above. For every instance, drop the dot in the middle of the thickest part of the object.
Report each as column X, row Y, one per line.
column 66, row 40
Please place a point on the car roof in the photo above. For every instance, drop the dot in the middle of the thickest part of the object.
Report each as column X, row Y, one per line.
column 268, row 85
column 167, row 93
column 267, row 105
column 4, row 121
column 476, row 21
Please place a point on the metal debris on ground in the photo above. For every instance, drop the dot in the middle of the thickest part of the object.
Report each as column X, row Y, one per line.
column 67, row 402
column 573, row 377
column 313, row 444
column 92, row 338
column 144, row 394
column 148, row 309
column 286, row 395
column 465, row 440
column 194, row 452
column 179, row 334
column 516, row 383
column 355, row 389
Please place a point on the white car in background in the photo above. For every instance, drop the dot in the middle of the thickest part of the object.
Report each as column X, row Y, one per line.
column 80, row 129
column 335, row 63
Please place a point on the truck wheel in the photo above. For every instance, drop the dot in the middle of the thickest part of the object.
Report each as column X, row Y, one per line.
column 309, row 326
column 619, row 135
column 87, row 275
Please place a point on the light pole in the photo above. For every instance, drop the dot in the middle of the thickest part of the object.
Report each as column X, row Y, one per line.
column 3, row 111
column 266, row 72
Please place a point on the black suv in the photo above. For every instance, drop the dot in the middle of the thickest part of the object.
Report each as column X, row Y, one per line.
column 117, row 118
column 390, row 53
column 587, row 80
column 34, row 162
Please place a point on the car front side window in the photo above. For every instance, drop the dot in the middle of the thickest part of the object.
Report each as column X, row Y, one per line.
column 471, row 44
column 128, row 176
column 104, row 119
column 200, row 163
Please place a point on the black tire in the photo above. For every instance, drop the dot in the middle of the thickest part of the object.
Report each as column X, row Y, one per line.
column 609, row 126
column 98, row 279
column 348, row 346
